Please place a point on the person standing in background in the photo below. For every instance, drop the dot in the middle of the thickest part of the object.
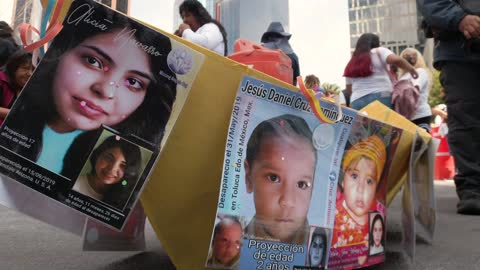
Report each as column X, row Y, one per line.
column 276, row 38
column 200, row 28
column 423, row 83
column 456, row 30
column 366, row 73
column 18, row 70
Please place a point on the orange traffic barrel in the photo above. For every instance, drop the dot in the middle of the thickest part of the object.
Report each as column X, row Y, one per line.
column 444, row 163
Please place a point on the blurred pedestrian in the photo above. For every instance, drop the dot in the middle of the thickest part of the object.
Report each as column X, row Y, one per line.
column 200, row 28
column 276, row 38
column 346, row 95
column 423, row 114
column 18, row 70
column 313, row 82
column 366, row 72
column 456, row 30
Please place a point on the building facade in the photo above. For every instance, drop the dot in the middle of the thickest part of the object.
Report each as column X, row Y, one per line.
column 397, row 22
column 250, row 18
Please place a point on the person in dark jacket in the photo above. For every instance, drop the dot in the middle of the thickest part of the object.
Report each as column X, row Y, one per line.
column 457, row 55
column 276, row 38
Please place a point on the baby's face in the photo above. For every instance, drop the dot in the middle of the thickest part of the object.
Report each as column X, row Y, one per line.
column 281, row 179
column 359, row 187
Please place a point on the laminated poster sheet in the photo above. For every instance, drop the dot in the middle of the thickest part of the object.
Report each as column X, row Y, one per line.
column 89, row 125
column 297, row 193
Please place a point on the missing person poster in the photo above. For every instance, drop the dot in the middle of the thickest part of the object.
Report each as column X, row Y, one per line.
column 276, row 206
column 358, row 235
column 89, row 125
column 297, row 193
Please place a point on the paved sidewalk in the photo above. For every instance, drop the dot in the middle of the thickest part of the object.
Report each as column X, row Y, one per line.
column 456, row 243
column 30, row 244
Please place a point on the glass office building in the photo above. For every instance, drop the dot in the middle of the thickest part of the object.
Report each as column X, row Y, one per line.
column 397, row 22
column 250, row 18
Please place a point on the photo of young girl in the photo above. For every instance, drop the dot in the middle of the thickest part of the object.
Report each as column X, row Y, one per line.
column 318, row 248
column 377, row 231
column 107, row 73
column 280, row 170
column 112, row 172
column 362, row 168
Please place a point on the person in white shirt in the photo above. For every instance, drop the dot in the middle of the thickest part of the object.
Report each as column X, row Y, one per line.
column 200, row 28
column 423, row 83
column 367, row 77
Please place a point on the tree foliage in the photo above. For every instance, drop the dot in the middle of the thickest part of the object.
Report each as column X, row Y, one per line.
column 435, row 93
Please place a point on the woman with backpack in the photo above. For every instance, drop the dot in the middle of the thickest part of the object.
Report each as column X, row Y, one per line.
column 423, row 113
column 367, row 75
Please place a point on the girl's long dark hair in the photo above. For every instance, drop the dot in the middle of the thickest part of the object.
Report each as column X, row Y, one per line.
column 201, row 14
column 360, row 65
column 118, row 194
column 37, row 107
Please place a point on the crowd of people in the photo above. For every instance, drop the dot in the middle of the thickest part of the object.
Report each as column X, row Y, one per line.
column 369, row 74
column 372, row 72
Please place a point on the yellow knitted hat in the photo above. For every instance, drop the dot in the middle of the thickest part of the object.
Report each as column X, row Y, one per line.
column 371, row 147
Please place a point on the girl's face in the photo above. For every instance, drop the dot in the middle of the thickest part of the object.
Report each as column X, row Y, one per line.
column 189, row 19
column 359, row 187
column 101, row 81
column 22, row 74
column 281, row 179
column 377, row 232
column 110, row 166
column 316, row 251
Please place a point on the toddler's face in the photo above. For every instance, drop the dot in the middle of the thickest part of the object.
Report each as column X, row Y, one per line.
column 359, row 187
column 281, row 179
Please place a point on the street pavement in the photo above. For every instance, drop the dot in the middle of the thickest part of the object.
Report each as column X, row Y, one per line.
column 29, row 244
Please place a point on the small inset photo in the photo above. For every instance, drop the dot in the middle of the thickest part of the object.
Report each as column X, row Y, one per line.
column 112, row 170
column 318, row 247
column 376, row 237
column 180, row 61
column 226, row 242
